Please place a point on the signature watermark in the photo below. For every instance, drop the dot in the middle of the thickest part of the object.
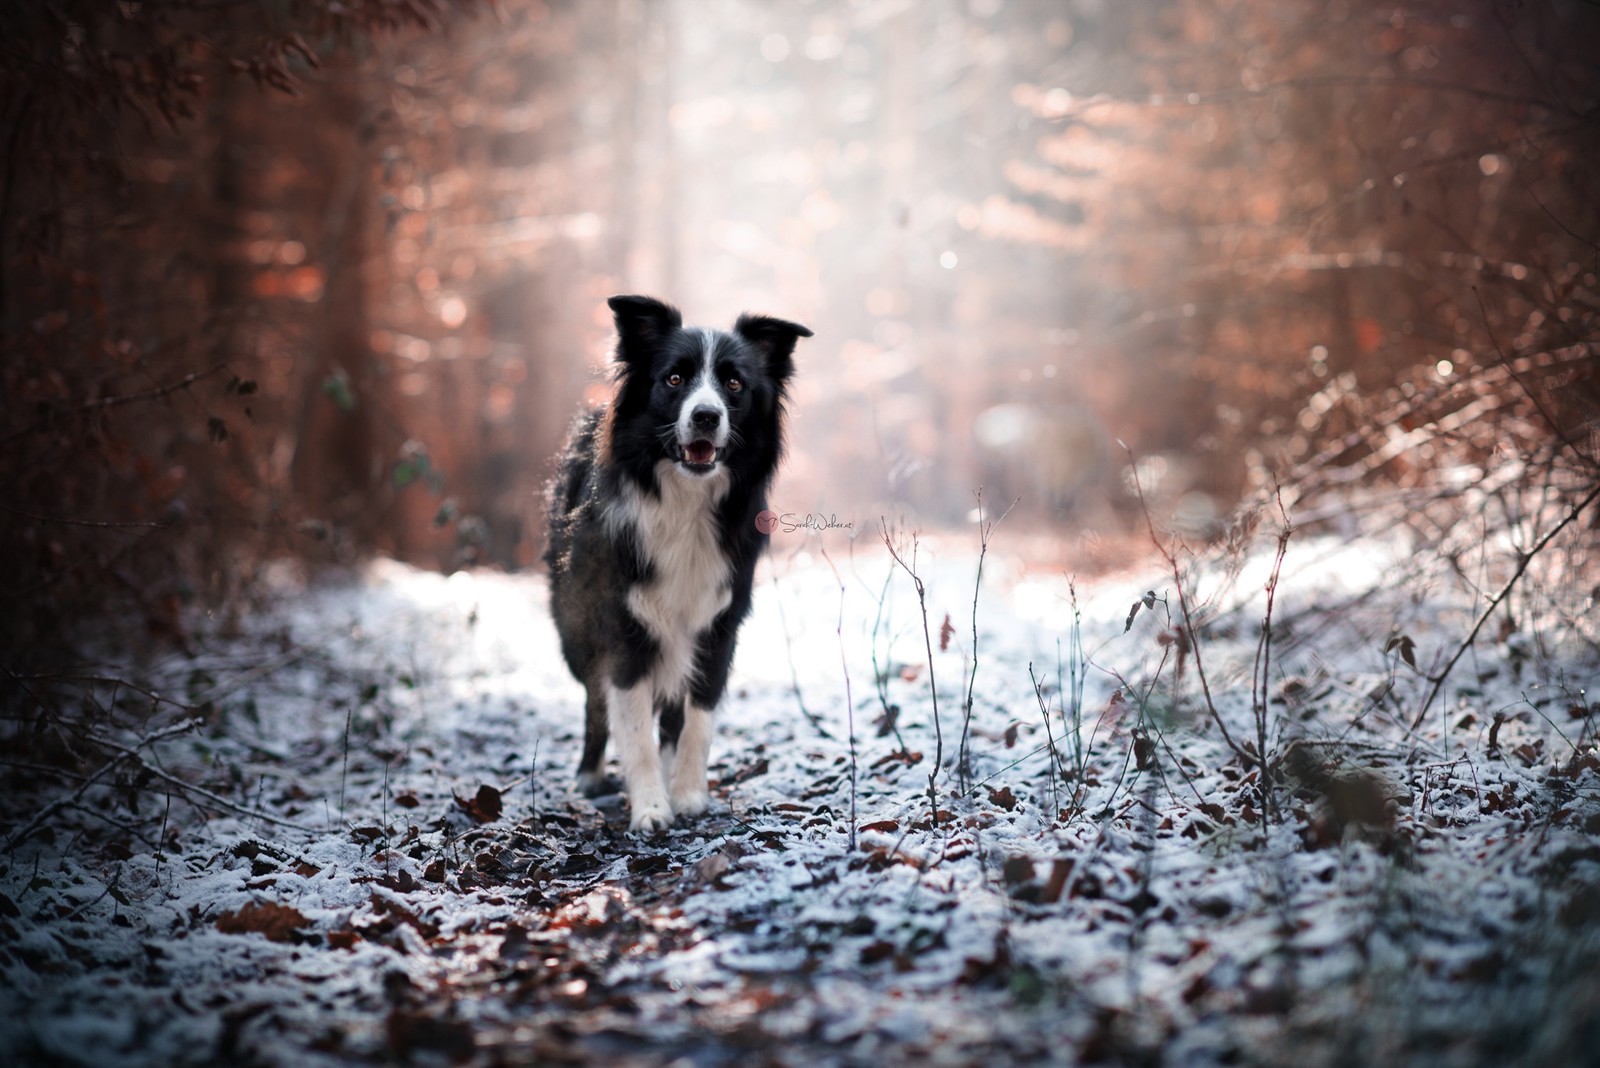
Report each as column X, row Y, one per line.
column 768, row 521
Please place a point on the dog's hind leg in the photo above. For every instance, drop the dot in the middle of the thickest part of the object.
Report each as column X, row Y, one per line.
column 631, row 712
column 688, row 789
column 592, row 779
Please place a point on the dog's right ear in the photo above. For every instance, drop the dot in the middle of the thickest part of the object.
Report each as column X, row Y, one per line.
column 641, row 324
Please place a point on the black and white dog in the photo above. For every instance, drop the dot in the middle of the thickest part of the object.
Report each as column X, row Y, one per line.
column 654, row 538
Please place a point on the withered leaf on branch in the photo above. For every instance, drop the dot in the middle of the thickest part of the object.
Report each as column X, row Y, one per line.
column 1402, row 644
column 1147, row 601
column 886, row 723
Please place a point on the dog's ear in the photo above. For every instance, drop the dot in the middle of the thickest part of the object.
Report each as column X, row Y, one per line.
column 641, row 324
column 774, row 339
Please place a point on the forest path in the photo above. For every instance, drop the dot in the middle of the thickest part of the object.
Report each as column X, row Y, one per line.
column 390, row 862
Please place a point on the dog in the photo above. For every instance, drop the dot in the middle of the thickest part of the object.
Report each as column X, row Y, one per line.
column 654, row 538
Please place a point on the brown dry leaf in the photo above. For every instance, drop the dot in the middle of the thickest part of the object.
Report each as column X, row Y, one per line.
column 1060, row 872
column 886, row 722
column 1402, row 644
column 485, row 807
column 410, row 1033
column 1529, row 752
column 1144, row 751
column 946, row 629
column 876, row 952
column 1017, row 868
column 394, row 912
column 1004, row 798
column 279, row 923
column 710, row 869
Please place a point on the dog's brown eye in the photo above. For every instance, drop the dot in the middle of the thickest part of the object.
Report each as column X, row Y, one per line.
column 734, row 385
column 674, row 380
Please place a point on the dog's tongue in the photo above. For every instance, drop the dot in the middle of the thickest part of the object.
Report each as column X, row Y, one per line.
column 699, row 452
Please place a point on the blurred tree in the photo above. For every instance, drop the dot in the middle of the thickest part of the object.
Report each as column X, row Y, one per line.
column 179, row 249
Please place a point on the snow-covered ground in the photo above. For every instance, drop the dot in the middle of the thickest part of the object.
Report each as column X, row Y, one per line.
column 389, row 862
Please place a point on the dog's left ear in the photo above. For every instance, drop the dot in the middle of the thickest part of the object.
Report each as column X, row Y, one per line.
column 774, row 339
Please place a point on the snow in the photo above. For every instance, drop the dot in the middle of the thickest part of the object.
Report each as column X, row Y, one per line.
column 1097, row 904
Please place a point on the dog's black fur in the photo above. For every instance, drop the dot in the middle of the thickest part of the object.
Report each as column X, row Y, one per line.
column 654, row 539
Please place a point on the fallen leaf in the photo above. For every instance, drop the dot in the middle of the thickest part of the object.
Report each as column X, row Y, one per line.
column 279, row 923
column 1004, row 798
column 1060, row 872
column 1017, row 868
column 485, row 807
column 877, row 951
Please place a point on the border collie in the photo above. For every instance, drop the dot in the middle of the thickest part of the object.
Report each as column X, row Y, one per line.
column 654, row 540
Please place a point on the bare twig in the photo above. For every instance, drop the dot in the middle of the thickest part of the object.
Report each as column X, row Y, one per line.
column 1171, row 558
column 794, row 674
column 927, row 639
column 849, row 698
column 1505, row 590
column 117, row 400
column 1261, row 671
column 97, row 524
column 123, row 754
column 963, row 766
column 1049, row 738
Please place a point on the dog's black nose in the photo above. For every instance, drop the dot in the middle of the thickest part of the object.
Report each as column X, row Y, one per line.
column 705, row 418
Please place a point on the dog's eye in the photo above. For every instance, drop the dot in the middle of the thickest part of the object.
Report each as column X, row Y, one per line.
column 674, row 380
column 734, row 385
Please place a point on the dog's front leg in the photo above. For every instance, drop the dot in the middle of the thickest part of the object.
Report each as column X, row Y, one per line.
column 689, row 796
column 632, row 715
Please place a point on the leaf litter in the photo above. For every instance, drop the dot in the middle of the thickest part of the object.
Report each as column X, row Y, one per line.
column 403, row 871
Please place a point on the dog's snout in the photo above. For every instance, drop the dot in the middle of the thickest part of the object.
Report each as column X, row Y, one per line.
column 705, row 418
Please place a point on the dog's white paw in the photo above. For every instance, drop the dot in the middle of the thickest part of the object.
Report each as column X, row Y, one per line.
column 690, row 801
column 650, row 817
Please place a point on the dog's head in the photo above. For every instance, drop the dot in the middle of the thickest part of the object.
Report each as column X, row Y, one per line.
column 703, row 399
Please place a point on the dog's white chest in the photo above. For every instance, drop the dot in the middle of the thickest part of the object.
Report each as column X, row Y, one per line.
column 690, row 581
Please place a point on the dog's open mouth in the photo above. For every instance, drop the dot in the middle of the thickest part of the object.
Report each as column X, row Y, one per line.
column 698, row 455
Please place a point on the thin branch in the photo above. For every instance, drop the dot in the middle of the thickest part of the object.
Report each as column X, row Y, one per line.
column 927, row 639
column 187, row 788
column 985, row 530
column 849, row 697
column 99, row 524
column 794, row 674
column 73, row 798
column 1522, row 567
column 1183, row 606
column 117, row 400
